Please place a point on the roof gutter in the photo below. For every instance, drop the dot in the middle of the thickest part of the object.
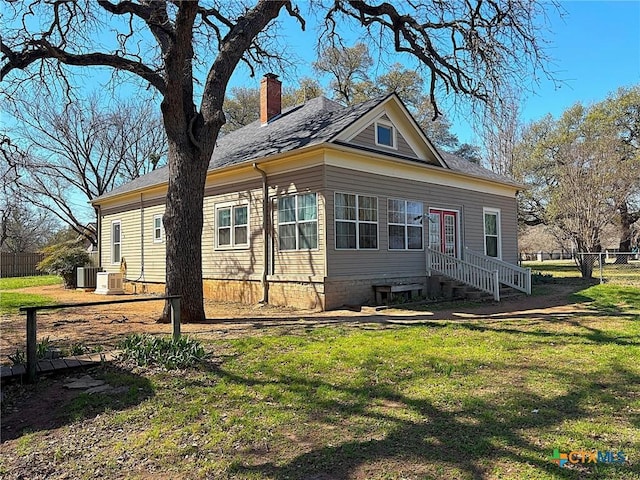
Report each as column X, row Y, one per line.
column 265, row 233
column 414, row 162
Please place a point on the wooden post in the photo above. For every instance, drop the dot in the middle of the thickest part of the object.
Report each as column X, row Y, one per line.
column 32, row 360
column 175, row 317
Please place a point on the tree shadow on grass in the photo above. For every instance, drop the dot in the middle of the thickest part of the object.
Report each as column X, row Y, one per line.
column 528, row 323
column 466, row 441
column 48, row 404
column 588, row 334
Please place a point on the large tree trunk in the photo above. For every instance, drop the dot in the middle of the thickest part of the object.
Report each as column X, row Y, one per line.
column 627, row 219
column 183, row 222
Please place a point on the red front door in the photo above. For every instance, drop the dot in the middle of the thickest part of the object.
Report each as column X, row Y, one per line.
column 443, row 231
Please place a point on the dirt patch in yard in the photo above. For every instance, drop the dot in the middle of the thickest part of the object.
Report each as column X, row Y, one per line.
column 97, row 327
column 45, row 406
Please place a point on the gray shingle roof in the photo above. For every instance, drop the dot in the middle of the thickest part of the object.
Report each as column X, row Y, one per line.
column 317, row 121
column 463, row 165
column 314, row 122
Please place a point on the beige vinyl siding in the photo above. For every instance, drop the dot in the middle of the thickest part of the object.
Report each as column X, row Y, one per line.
column 367, row 138
column 239, row 262
column 248, row 263
column 130, row 242
column 298, row 262
column 154, row 253
column 386, row 262
column 136, row 228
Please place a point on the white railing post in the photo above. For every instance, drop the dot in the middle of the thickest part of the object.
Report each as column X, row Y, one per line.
column 508, row 274
column 466, row 272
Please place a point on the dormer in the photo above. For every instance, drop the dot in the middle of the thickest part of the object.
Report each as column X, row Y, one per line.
column 390, row 128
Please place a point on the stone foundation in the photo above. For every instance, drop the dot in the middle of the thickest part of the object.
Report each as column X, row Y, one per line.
column 330, row 295
column 143, row 287
column 360, row 291
column 304, row 295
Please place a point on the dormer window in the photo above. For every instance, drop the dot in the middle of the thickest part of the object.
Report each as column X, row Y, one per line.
column 385, row 134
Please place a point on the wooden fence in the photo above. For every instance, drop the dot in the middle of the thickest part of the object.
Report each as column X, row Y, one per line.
column 19, row 264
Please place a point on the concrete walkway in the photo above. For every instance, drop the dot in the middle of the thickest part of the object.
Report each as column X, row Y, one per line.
column 57, row 364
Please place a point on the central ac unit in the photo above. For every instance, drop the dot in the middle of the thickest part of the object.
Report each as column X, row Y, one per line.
column 87, row 277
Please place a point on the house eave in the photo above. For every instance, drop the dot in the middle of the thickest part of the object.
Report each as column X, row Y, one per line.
column 422, row 164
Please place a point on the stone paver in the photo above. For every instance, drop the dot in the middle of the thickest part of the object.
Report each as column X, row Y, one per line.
column 47, row 365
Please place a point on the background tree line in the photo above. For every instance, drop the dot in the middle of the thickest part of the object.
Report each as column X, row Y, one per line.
column 351, row 80
column 582, row 173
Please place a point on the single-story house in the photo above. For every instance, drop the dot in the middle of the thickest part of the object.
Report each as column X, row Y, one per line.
column 356, row 197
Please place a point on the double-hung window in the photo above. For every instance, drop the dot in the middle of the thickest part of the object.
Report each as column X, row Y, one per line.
column 158, row 230
column 492, row 240
column 405, row 225
column 356, row 221
column 116, row 242
column 298, row 222
column 232, row 226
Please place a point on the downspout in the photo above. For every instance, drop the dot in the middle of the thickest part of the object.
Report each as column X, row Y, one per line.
column 141, row 242
column 265, row 232
column 99, row 234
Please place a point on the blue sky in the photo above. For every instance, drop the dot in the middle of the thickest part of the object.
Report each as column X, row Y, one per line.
column 595, row 48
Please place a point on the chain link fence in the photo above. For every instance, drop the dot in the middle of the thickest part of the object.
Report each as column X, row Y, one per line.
column 621, row 268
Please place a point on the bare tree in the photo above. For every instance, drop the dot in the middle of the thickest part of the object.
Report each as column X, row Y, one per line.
column 618, row 117
column 242, row 106
column 80, row 151
column 307, row 89
column 347, row 67
column 22, row 228
column 575, row 175
column 468, row 48
column 502, row 131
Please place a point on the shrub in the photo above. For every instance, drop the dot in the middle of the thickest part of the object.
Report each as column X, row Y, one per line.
column 63, row 259
column 147, row 350
column 538, row 278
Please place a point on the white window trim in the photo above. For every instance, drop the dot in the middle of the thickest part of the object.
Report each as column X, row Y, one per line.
column 405, row 225
column 161, row 238
column 394, row 134
column 297, row 222
column 496, row 212
column 357, row 221
column 233, row 245
column 113, row 260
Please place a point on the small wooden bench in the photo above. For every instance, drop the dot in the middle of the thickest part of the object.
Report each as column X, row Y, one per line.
column 389, row 290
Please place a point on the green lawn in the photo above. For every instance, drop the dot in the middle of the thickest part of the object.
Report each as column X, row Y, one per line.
column 621, row 274
column 557, row 268
column 13, row 283
column 443, row 399
column 11, row 301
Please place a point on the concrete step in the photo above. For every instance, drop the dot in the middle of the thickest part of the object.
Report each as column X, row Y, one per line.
column 449, row 289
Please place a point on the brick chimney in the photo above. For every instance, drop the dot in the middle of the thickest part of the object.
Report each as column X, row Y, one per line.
column 270, row 97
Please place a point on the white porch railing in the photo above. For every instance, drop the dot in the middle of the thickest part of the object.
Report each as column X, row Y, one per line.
column 508, row 274
column 474, row 275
